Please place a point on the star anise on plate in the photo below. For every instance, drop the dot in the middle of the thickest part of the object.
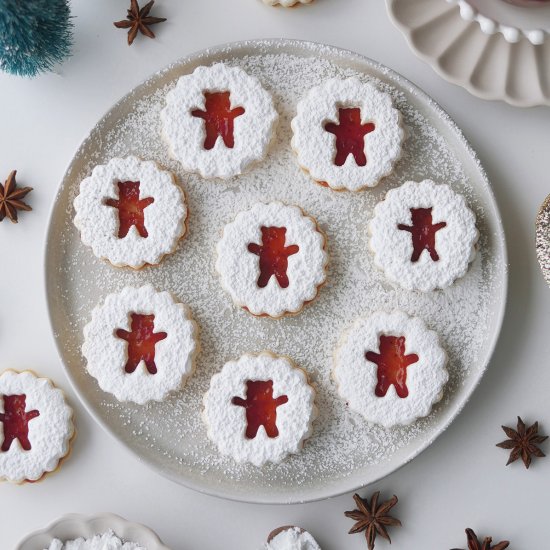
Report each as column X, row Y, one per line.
column 11, row 198
column 523, row 442
column 138, row 19
column 373, row 518
column 474, row 544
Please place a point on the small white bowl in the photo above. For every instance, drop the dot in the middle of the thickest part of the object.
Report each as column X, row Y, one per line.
column 74, row 526
column 490, row 21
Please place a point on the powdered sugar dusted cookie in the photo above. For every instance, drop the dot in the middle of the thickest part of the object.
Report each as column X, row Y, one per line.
column 347, row 134
column 218, row 120
column 36, row 426
column 390, row 368
column 291, row 538
column 259, row 409
column 423, row 235
column 140, row 344
column 272, row 259
column 130, row 212
column 286, row 3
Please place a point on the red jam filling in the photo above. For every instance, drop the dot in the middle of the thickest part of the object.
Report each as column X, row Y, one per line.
column 141, row 342
column 218, row 118
column 423, row 233
column 350, row 136
column 130, row 208
column 392, row 365
column 273, row 255
column 16, row 421
column 261, row 408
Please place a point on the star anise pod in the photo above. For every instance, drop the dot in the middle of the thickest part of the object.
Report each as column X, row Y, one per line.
column 523, row 442
column 11, row 198
column 139, row 20
column 373, row 518
column 474, row 544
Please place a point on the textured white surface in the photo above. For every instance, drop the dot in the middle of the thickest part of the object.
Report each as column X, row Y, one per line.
column 239, row 269
column 227, row 422
column 253, row 130
column 490, row 24
column 98, row 223
column 104, row 541
column 293, row 538
column 50, row 433
column 478, row 489
column 357, row 378
column 106, row 354
column 316, row 148
column 454, row 243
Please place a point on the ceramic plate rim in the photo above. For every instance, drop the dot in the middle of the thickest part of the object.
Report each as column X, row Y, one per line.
column 280, row 44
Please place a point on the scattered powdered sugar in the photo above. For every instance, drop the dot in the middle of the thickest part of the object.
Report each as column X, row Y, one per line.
column 172, row 434
column 106, row 541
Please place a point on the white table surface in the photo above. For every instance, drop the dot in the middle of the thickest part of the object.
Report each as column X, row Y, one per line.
column 461, row 480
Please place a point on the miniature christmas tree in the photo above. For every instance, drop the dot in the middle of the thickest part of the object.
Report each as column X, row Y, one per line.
column 34, row 35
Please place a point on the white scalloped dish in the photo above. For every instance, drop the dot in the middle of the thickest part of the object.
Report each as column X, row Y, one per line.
column 73, row 526
column 494, row 49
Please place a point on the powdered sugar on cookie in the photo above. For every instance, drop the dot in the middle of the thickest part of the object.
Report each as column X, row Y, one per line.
column 423, row 235
column 390, row 368
column 272, row 259
column 36, row 426
column 259, row 409
column 347, row 134
column 218, row 120
column 130, row 212
column 140, row 344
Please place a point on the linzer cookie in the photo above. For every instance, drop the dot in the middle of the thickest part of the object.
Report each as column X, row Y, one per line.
column 130, row 212
column 259, row 409
column 36, row 427
column 390, row 368
column 140, row 344
column 272, row 259
column 347, row 134
column 423, row 235
column 218, row 120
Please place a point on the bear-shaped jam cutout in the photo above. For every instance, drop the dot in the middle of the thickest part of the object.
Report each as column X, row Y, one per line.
column 273, row 255
column 218, row 118
column 16, row 421
column 423, row 232
column 142, row 340
column 130, row 208
column 261, row 407
column 392, row 365
column 350, row 136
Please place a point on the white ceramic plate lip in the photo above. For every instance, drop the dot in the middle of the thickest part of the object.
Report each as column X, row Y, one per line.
column 511, row 34
column 477, row 91
column 73, row 526
column 350, row 484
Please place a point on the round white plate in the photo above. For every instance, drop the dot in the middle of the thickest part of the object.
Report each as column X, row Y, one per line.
column 486, row 64
column 344, row 452
column 74, row 526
